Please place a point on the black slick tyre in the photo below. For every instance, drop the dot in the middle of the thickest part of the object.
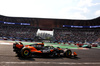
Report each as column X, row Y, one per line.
column 26, row 53
column 68, row 53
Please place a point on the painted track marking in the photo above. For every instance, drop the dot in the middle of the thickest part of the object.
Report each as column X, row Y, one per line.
column 67, row 63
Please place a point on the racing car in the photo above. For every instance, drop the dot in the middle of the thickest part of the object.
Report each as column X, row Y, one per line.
column 86, row 45
column 39, row 49
column 94, row 44
column 80, row 44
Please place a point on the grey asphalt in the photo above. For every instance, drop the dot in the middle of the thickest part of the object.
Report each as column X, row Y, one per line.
column 87, row 57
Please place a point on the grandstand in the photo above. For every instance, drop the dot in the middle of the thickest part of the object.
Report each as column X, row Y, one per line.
column 64, row 29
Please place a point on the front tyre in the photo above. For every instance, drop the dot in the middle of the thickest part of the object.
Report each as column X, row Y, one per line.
column 26, row 53
column 68, row 53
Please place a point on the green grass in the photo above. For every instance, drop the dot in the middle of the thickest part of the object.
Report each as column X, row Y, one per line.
column 57, row 45
column 53, row 44
column 62, row 45
column 97, row 47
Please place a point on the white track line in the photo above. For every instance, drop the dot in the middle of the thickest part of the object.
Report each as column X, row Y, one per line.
column 67, row 63
column 6, row 43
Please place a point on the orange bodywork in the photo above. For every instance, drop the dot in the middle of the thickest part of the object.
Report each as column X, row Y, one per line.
column 59, row 49
column 52, row 50
column 33, row 49
column 19, row 46
column 38, row 51
column 75, row 54
column 40, row 43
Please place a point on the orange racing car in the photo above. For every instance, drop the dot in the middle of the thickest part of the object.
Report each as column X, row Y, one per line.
column 39, row 49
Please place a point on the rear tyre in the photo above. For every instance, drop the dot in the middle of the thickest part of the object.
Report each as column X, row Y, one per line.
column 26, row 53
column 68, row 53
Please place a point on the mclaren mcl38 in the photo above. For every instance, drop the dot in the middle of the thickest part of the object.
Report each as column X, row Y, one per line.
column 27, row 51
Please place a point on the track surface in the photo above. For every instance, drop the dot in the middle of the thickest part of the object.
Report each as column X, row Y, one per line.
column 85, row 57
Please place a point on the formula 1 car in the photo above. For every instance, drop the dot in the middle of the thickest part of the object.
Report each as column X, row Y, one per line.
column 86, row 45
column 80, row 44
column 39, row 49
column 94, row 44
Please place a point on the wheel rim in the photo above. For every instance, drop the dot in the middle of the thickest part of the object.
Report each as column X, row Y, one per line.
column 68, row 53
column 26, row 52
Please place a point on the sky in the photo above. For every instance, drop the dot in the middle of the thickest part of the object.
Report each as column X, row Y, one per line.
column 63, row 9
